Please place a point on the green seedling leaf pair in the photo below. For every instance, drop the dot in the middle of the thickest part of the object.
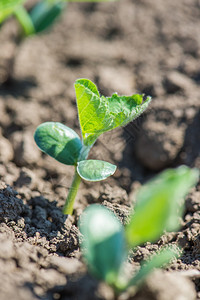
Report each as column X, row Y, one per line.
column 41, row 17
column 159, row 206
column 97, row 114
column 45, row 13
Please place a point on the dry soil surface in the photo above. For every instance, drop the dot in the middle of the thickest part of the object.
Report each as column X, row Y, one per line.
column 128, row 46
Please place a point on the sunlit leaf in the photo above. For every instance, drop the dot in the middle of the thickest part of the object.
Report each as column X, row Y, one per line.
column 44, row 14
column 59, row 141
column 160, row 204
column 95, row 170
column 103, row 243
column 100, row 114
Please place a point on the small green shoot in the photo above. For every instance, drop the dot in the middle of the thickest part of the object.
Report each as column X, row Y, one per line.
column 159, row 206
column 104, row 243
column 41, row 17
column 97, row 114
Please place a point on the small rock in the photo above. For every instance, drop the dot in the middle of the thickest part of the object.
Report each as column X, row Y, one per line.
column 70, row 242
column 193, row 202
column 176, row 82
column 182, row 240
column 26, row 177
column 66, row 265
column 48, row 277
column 6, row 248
column 10, row 206
column 26, row 152
column 113, row 195
column 6, row 150
column 28, row 116
column 196, row 249
column 159, row 144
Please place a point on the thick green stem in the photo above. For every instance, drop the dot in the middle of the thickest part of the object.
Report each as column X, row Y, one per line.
column 69, row 204
column 25, row 20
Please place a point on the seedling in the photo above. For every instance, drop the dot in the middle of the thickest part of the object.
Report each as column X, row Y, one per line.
column 42, row 15
column 105, row 242
column 97, row 114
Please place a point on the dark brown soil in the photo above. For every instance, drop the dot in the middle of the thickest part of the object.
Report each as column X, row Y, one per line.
column 126, row 47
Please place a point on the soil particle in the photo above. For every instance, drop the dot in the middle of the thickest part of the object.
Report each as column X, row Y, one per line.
column 196, row 248
column 177, row 82
column 161, row 142
column 26, row 178
column 69, row 246
column 11, row 206
column 164, row 286
column 116, row 195
column 6, row 150
column 7, row 249
column 24, row 149
column 68, row 266
column 165, row 135
column 193, row 202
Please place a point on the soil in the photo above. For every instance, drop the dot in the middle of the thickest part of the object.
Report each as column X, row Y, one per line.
column 128, row 46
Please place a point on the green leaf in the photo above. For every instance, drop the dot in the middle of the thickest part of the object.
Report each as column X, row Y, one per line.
column 100, row 114
column 25, row 21
column 95, row 170
column 59, row 141
column 44, row 14
column 103, row 243
column 155, row 261
column 7, row 8
column 159, row 205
